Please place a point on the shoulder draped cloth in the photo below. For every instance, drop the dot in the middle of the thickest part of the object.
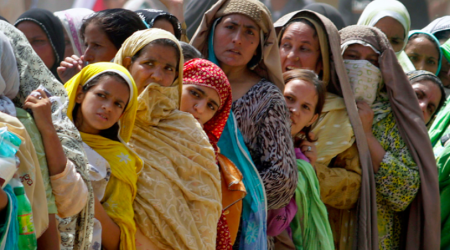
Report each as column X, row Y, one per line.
column 338, row 86
column 379, row 9
column 178, row 202
column 423, row 216
column 75, row 231
column 121, row 189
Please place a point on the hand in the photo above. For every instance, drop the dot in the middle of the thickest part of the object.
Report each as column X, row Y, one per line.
column 70, row 67
column 309, row 149
column 41, row 106
column 366, row 116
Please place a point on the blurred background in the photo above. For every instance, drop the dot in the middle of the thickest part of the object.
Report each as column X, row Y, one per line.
column 421, row 11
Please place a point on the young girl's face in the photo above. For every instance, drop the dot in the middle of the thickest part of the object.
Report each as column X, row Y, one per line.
column 157, row 63
column 423, row 54
column 202, row 102
column 102, row 105
column 301, row 99
column 98, row 46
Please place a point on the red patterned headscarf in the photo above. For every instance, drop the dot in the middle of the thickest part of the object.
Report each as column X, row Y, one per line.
column 205, row 73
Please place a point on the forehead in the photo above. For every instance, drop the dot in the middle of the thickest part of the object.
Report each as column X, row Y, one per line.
column 390, row 25
column 162, row 53
column 422, row 43
column 240, row 19
column 429, row 87
column 300, row 29
column 30, row 28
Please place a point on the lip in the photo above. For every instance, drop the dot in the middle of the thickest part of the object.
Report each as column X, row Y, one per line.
column 102, row 117
column 234, row 51
column 291, row 67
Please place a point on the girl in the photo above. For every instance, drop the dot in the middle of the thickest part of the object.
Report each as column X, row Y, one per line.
column 103, row 104
column 207, row 96
column 178, row 157
column 103, row 34
column 305, row 98
column 402, row 159
column 424, row 51
column 45, row 33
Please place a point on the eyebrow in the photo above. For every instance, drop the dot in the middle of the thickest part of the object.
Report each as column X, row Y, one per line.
column 109, row 94
column 203, row 93
column 249, row 26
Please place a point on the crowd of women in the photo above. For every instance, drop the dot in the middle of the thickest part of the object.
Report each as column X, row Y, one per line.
column 296, row 133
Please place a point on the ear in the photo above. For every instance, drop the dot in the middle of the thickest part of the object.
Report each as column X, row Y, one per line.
column 127, row 62
column 313, row 120
column 80, row 95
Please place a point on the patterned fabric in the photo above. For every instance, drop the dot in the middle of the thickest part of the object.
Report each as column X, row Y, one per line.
column 75, row 231
column 397, row 182
column 223, row 234
column 205, row 73
column 9, row 76
column 364, row 79
column 263, row 119
column 121, row 189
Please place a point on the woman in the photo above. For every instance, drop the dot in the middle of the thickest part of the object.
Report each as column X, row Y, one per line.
column 75, row 230
column 351, row 171
column 392, row 18
column 401, row 157
column 424, row 51
column 103, row 34
column 429, row 91
column 239, row 37
column 45, row 34
column 72, row 19
column 177, row 155
column 162, row 20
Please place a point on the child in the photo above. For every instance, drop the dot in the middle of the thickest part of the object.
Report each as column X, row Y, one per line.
column 102, row 105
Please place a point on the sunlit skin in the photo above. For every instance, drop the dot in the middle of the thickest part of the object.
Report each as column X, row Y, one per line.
column 423, row 54
column 98, row 46
column 156, row 63
column 236, row 39
column 39, row 41
column 300, row 48
column 429, row 96
column 361, row 52
column 394, row 31
column 201, row 101
column 163, row 24
column 102, row 105
column 301, row 99
column 68, row 45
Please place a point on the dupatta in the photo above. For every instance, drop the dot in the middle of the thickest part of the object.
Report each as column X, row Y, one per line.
column 121, row 188
column 178, row 201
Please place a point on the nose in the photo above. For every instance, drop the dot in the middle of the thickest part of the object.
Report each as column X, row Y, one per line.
column 423, row 106
column 89, row 55
column 200, row 106
column 237, row 37
column 421, row 65
column 157, row 75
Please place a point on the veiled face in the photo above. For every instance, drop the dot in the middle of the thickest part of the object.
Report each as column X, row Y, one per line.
column 300, row 48
column 360, row 52
column 236, row 39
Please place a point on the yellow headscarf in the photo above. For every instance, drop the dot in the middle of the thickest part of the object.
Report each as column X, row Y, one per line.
column 179, row 201
column 121, row 189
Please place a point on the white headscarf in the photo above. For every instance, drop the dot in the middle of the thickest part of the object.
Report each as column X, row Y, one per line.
column 9, row 76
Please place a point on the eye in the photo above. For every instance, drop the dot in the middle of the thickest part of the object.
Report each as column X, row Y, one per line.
column 413, row 58
column 250, row 32
column 101, row 95
column 230, row 27
column 286, row 45
column 195, row 93
column 430, row 109
column 150, row 63
column 211, row 106
column 431, row 62
column 304, row 49
column 288, row 98
column 306, row 107
column 118, row 104
column 170, row 69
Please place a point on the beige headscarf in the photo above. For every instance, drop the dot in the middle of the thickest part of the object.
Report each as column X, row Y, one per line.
column 337, row 83
column 270, row 66
column 423, row 227
column 178, row 201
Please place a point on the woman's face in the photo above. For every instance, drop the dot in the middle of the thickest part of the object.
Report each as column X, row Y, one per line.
column 423, row 54
column 300, row 48
column 201, row 101
column 69, row 49
column 361, row 52
column 236, row 39
column 444, row 74
column 429, row 96
column 98, row 46
column 301, row 99
column 102, row 105
column 39, row 41
column 394, row 31
column 156, row 63
column 163, row 24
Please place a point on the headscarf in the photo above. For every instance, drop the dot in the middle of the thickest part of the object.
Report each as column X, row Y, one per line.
column 178, row 159
column 123, row 161
column 379, row 9
column 52, row 27
column 445, row 48
column 205, row 73
column 149, row 16
column 9, row 76
column 72, row 19
column 77, row 230
column 435, row 40
column 338, row 86
column 438, row 25
column 329, row 12
column 268, row 65
column 423, row 228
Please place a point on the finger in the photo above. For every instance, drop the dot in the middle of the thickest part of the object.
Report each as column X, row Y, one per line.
column 312, row 135
column 66, row 64
column 74, row 57
column 43, row 94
